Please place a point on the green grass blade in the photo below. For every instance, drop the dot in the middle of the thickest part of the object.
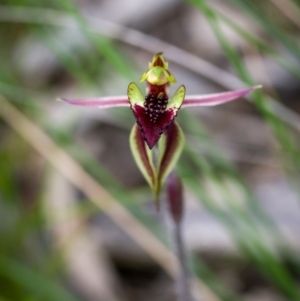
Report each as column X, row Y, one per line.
column 32, row 281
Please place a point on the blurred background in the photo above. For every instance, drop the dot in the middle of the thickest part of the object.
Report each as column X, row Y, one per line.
column 77, row 219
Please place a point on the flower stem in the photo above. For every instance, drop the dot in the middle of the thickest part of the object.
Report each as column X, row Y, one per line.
column 175, row 207
column 182, row 281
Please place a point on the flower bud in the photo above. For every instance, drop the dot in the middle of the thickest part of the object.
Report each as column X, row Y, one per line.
column 175, row 197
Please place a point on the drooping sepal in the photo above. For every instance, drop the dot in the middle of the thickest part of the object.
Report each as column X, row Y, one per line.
column 170, row 147
column 143, row 157
column 154, row 120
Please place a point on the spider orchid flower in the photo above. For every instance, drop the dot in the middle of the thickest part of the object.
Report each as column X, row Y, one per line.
column 154, row 115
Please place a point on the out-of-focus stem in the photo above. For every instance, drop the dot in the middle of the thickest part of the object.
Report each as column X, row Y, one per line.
column 182, row 281
column 175, row 207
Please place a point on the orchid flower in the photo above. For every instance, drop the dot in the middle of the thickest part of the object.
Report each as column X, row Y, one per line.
column 155, row 114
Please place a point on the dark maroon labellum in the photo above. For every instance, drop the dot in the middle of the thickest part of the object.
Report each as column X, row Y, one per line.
column 151, row 127
column 155, row 105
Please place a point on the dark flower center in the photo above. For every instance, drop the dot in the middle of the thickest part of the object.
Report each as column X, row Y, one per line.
column 155, row 105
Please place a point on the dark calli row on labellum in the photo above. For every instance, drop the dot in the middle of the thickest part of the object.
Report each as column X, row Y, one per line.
column 154, row 115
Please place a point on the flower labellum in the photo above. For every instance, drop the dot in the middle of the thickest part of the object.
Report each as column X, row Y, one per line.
column 154, row 115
